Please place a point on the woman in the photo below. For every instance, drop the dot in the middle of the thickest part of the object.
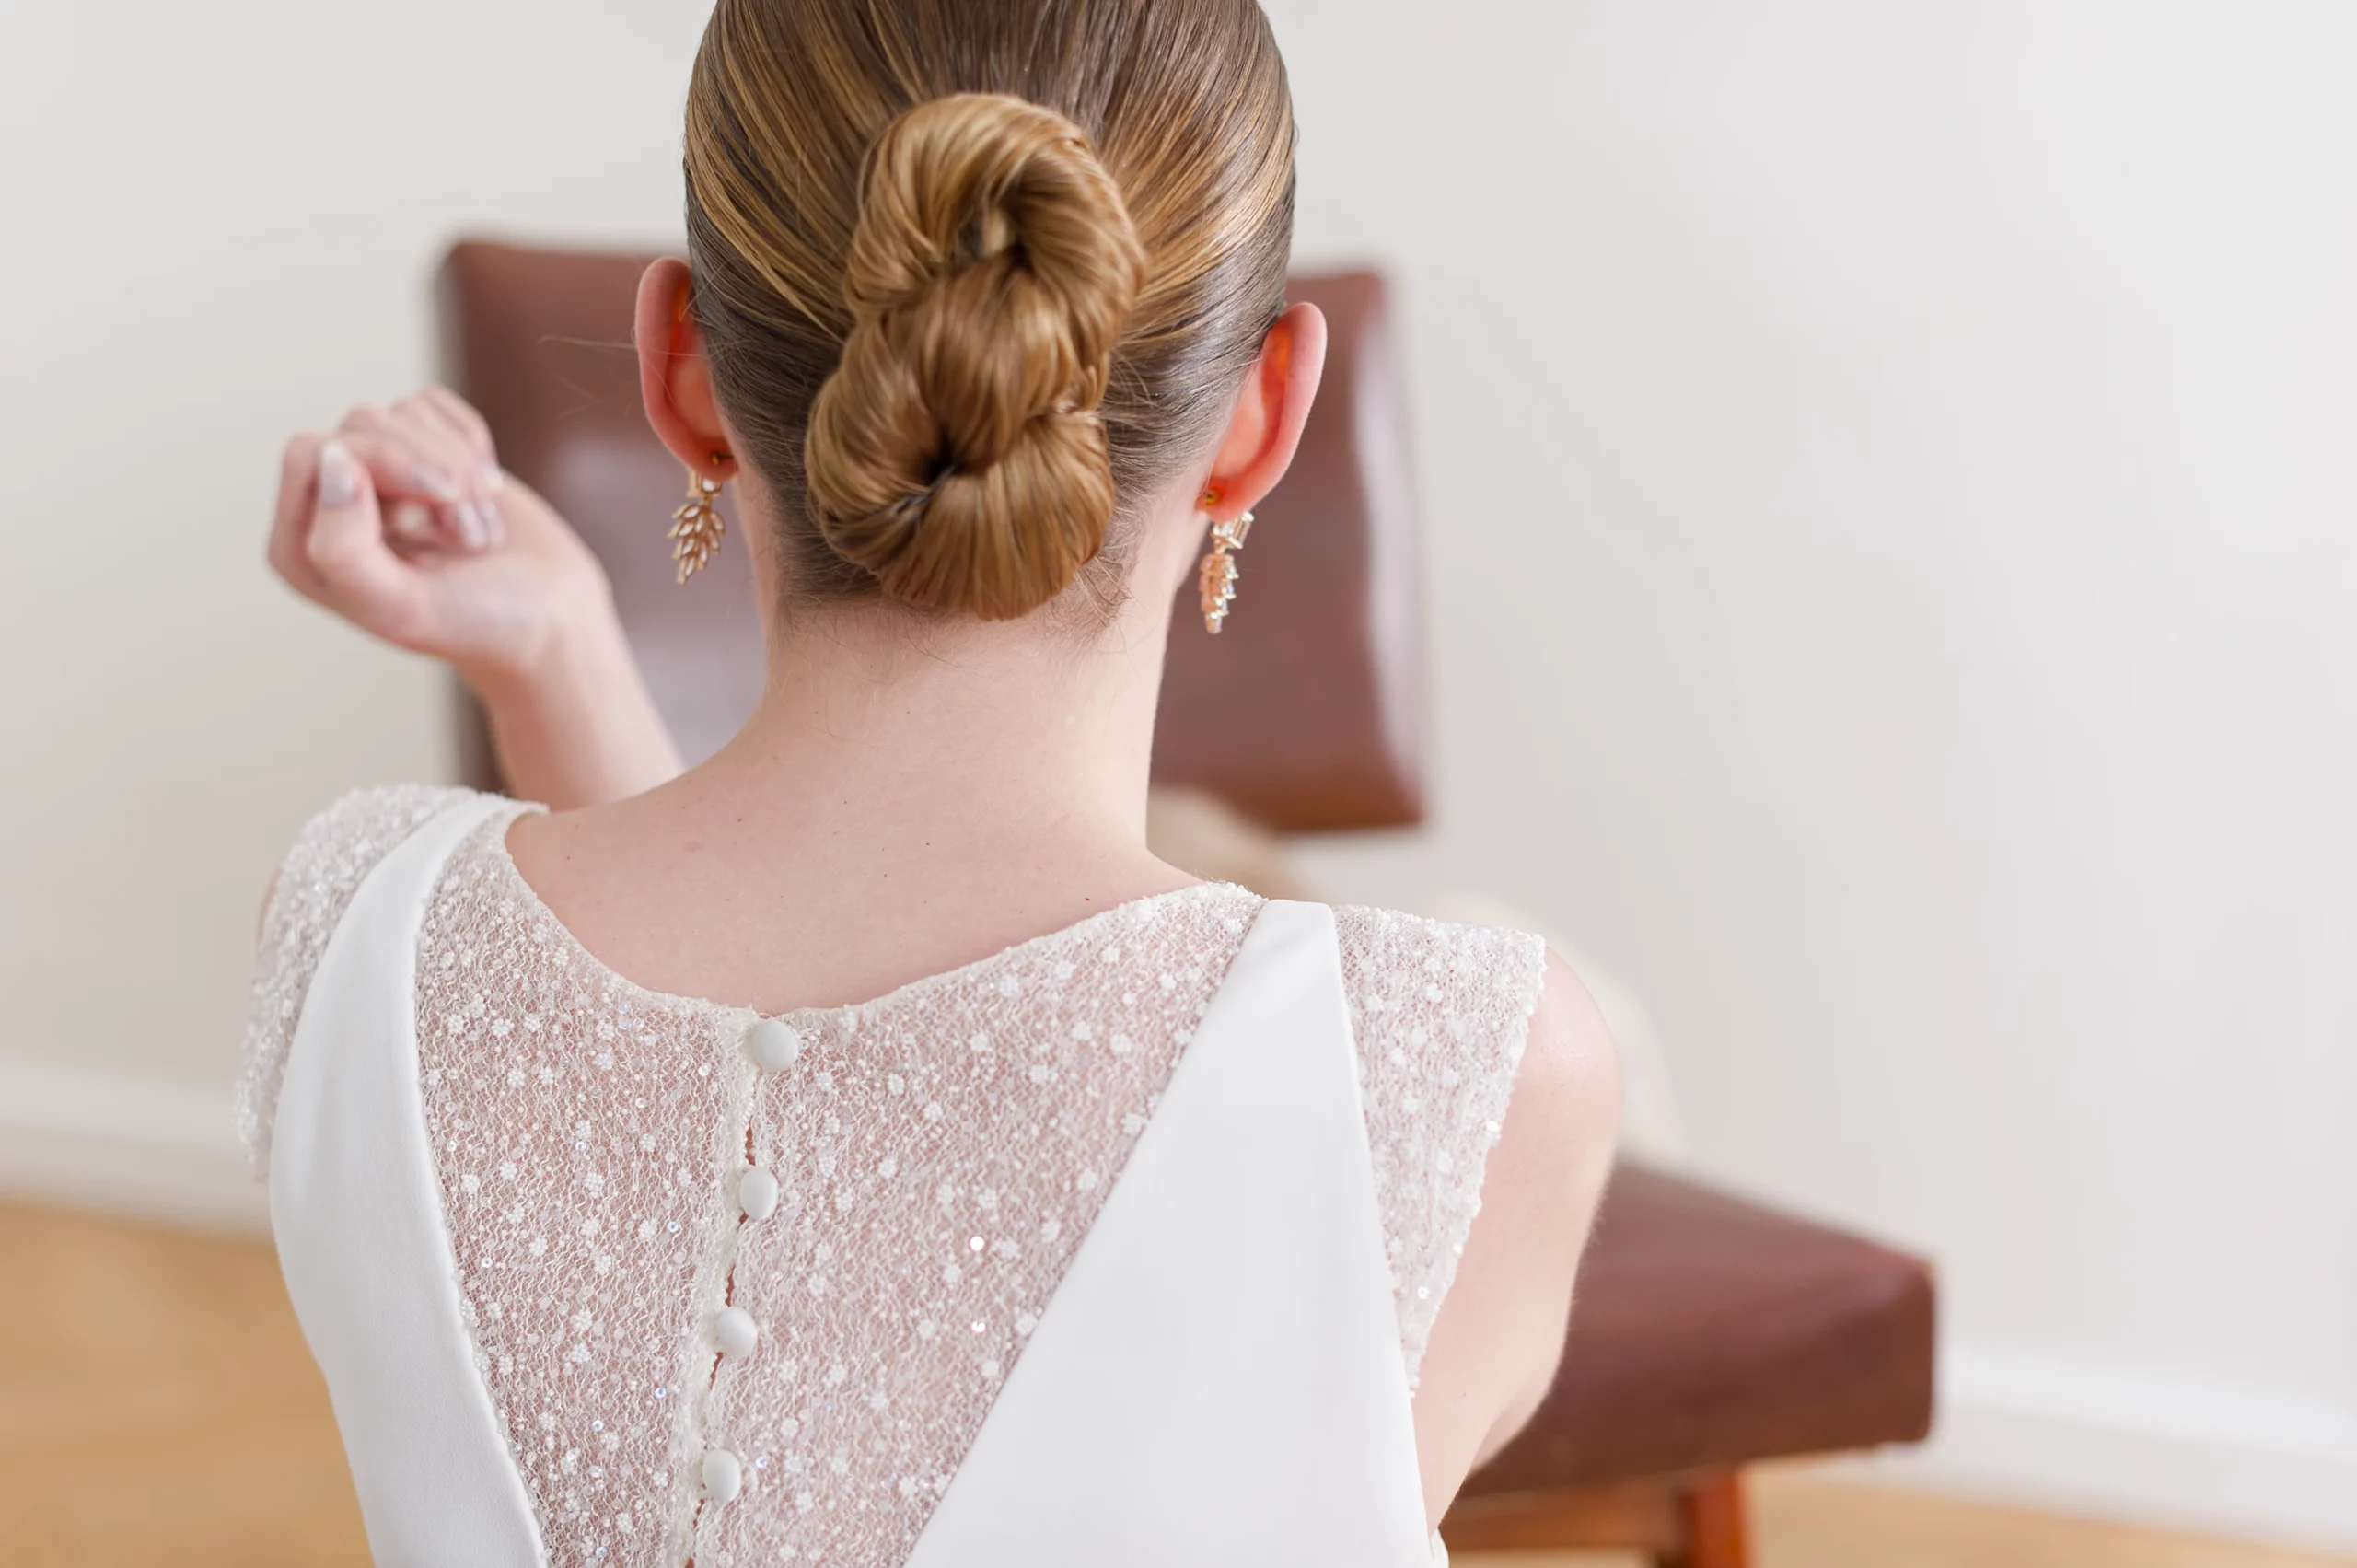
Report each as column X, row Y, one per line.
column 950, row 1180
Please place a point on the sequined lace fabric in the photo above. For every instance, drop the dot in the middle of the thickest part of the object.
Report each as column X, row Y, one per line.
column 937, row 1157
column 1439, row 1013
column 316, row 880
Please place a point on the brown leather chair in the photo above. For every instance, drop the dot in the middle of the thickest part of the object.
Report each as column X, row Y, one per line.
column 1709, row 1332
column 1706, row 1332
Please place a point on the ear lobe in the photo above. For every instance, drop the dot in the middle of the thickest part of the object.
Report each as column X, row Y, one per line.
column 1270, row 411
column 674, row 379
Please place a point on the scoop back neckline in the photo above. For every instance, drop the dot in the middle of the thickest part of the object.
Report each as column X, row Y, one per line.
column 908, row 991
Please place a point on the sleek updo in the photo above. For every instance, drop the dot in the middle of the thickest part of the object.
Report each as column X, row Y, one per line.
column 973, row 274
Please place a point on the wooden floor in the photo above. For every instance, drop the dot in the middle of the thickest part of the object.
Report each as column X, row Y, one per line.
column 1807, row 1522
column 158, row 1406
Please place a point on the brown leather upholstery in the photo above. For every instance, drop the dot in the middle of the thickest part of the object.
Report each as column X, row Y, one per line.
column 1708, row 1331
column 540, row 341
column 1306, row 712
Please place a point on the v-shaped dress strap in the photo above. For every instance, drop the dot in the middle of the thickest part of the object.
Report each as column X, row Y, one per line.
column 362, row 1241
column 1218, row 1379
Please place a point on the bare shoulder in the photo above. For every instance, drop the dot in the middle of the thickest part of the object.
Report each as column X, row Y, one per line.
column 1500, row 1332
column 1560, row 1123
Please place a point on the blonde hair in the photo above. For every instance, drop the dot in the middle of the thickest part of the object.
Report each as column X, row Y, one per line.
column 972, row 273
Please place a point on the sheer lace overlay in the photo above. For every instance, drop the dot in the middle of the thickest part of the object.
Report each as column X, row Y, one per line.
column 1440, row 1013
column 591, row 1139
column 335, row 849
column 584, row 1131
column 940, row 1155
column 937, row 1157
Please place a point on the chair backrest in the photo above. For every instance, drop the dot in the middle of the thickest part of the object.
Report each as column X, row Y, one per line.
column 1305, row 712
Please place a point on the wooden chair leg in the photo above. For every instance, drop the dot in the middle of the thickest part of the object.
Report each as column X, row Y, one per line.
column 1715, row 1526
column 1641, row 1515
column 1676, row 1521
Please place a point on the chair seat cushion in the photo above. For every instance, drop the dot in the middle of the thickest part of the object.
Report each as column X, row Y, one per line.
column 1708, row 1331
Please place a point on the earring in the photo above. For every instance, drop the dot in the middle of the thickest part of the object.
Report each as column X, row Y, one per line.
column 696, row 527
column 1216, row 581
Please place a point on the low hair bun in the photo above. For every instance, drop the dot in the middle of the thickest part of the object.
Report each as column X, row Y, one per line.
column 957, row 452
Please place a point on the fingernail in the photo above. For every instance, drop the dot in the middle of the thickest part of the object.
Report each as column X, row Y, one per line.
column 494, row 522
column 498, row 481
column 436, row 483
column 411, row 520
column 338, row 475
column 472, row 525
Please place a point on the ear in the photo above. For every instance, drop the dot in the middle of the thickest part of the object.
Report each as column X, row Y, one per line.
column 1266, row 427
column 674, row 379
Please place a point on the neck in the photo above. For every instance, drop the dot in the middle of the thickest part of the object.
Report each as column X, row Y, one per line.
column 905, row 797
column 1013, row 740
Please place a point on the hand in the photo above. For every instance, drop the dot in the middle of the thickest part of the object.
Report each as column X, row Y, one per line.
column 401, row 522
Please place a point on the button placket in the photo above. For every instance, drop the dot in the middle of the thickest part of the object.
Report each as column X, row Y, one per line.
column 772, row 1045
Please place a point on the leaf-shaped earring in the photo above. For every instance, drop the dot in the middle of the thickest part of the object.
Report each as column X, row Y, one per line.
column 1216, row 580
column 696, row 527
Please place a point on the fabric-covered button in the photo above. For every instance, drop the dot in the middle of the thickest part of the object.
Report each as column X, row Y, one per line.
column 723, row 1476
column 757, row 1193
column 736, row 1331
column 773, row 1044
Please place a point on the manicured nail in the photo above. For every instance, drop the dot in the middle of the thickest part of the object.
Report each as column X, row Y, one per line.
column 472, row 526
column 494, row 522
column 411, row 520
column 436, row 483
column 338, row 475
column 498, row 481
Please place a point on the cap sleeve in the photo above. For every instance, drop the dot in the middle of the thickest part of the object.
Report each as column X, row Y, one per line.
column 335, row 849
column 1439, row 1013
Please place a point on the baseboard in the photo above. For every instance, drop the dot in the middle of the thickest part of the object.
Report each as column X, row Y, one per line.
column 2141, row 1449
column 121, row 1146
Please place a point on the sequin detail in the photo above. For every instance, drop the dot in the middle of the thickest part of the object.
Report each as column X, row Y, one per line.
column 335, row 849
column 1440, row 1013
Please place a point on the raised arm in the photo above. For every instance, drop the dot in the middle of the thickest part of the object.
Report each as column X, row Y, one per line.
column 401, row 522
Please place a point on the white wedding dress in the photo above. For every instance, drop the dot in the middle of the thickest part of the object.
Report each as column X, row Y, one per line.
column 1118, row 1247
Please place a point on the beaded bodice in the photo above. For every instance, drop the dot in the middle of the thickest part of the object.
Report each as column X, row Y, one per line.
column 824, row 1238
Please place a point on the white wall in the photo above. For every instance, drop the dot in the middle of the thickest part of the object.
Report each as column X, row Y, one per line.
column 1890, row 475
column 221, row 222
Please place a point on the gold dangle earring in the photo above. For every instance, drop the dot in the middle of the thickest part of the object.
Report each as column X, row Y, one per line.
column 696, row 527
column 1216, row 580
